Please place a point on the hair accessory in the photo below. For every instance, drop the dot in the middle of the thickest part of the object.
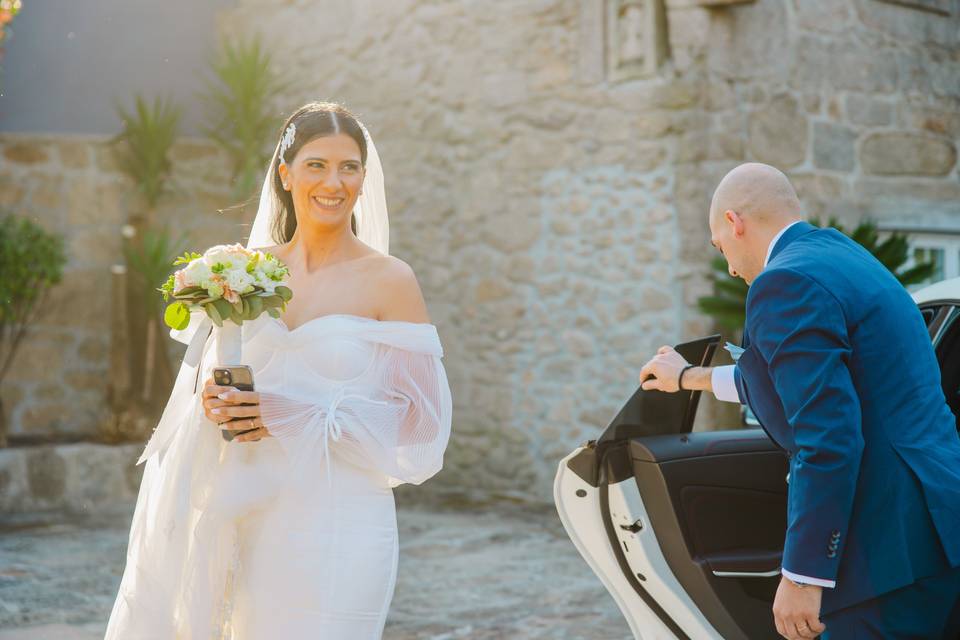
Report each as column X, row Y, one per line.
column 287, row 141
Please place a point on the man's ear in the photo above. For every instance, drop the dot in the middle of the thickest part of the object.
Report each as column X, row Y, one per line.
column 736, row 221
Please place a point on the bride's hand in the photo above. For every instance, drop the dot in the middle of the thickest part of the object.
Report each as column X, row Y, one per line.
column 234, row 410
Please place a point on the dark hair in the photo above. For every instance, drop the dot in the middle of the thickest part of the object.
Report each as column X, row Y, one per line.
column 312, row 120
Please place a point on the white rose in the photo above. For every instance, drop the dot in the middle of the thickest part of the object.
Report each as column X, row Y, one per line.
column 239, row 280
column 221, row 254
column 196, row 272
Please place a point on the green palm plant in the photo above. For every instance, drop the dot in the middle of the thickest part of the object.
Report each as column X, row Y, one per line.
column 152, row 262
column 727, row 305
column 143, row 151
column 239, row 117
column 143, row 147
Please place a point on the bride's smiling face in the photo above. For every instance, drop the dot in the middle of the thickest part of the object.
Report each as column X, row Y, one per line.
column 325, row 179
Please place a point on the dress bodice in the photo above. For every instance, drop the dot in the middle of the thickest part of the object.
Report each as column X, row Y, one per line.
column 322, row 352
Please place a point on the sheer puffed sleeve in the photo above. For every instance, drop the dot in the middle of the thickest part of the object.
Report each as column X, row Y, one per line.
column 395, row 421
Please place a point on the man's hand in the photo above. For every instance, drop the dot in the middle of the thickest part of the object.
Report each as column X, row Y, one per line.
column 796, row 610
column 666, row 366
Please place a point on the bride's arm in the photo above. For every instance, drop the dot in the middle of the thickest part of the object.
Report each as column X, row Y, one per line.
column 400, row 427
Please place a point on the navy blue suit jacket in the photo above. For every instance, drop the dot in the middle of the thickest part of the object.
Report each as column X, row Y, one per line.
column 839, row 369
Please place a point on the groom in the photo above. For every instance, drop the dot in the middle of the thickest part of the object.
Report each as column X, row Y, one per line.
column 839, row 369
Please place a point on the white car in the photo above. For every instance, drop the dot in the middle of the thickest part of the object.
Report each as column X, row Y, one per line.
column 686, row 530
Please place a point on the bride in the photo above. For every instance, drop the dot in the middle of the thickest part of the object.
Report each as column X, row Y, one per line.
column 289, row 530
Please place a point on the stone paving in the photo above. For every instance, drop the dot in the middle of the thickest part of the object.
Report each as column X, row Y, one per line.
column 473, row 570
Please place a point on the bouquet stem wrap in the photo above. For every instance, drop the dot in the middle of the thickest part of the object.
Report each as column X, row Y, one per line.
column 229, row 345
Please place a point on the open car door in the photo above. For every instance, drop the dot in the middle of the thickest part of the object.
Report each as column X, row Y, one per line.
column 685, row 530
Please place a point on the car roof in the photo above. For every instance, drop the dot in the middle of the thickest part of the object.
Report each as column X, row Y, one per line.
column 943, row 290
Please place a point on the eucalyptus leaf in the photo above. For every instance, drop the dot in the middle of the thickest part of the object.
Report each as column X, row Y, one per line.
column 223, row 307
column 256, row 306
column 284, row 292
column 177, row 316
column 214, row 314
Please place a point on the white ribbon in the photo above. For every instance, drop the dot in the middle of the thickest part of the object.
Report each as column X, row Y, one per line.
column 183, row 397
column 324, row 429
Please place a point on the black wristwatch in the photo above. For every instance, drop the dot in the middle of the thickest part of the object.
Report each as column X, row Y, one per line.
column 680, row 378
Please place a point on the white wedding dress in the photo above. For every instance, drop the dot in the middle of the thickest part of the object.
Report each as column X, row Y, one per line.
column 295, row 536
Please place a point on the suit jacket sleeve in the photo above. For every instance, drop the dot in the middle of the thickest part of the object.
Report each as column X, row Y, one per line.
column 800, row 330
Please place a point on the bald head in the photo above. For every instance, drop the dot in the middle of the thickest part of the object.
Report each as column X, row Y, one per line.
column 750, row 206
column 757, row 192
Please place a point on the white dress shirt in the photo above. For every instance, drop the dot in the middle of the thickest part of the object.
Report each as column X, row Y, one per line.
column 725, row 388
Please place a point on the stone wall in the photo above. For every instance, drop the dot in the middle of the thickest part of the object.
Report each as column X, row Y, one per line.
column 80, row 478
column 549, row 166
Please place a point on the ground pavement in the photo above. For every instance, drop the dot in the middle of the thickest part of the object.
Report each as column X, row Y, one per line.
column 468, row 570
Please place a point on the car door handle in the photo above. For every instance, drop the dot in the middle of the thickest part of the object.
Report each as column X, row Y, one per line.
column 745, row 563
column 747, row 574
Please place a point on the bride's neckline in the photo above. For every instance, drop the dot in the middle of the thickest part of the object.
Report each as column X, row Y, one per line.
column 347, row 316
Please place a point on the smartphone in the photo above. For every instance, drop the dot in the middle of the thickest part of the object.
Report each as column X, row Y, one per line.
column 241, row 378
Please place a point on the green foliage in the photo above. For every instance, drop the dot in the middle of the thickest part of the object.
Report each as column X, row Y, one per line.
column 143, row 148
column 249, row 307
column 727, row 305
column 238, row 108
column 151, row 259
column 177, row 316
column 31, row 261
column 187, row 258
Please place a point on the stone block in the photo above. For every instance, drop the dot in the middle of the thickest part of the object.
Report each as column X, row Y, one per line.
column 82, row 297
column 905, row 153
column 910, row 22
column 842, row 65
column 26, row 153
column 935, row 120
column 833, row 146
column 12, row 193
column 47, row 196
column 97, row 245
column 741, row 41
column 822, row 15
column 778, row 133
column 74, row 154
column 46, row 475
column 90, row 201
column 868, row 111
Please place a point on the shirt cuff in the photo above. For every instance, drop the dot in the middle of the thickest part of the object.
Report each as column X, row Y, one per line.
column 818, row 582
column 723, row 383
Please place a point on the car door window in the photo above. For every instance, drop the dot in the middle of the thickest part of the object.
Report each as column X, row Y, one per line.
column 947, row 345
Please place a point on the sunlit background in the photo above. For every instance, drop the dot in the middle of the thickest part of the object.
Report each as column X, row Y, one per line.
column 549, row 165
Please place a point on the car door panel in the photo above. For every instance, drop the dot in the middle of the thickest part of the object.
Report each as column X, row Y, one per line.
column 685, row 569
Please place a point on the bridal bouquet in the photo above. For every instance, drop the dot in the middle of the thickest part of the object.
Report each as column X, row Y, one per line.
column 231, row 284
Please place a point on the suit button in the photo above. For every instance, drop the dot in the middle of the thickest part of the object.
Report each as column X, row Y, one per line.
column 832, row 555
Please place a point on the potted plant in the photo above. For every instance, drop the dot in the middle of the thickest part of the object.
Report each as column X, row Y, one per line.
column 31, row 261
